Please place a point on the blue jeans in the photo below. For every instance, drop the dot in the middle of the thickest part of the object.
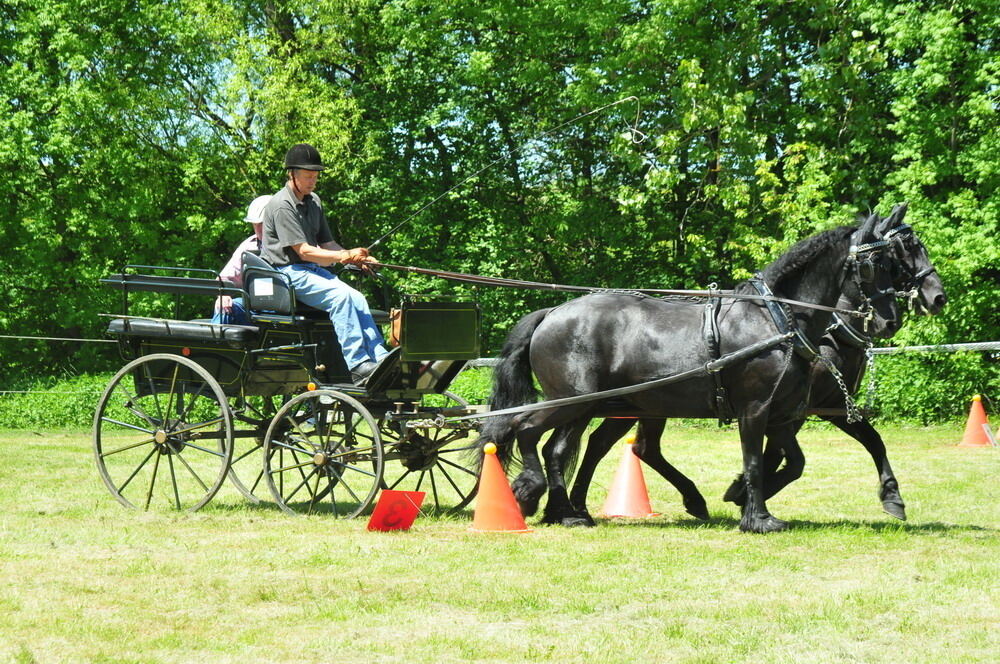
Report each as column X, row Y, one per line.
column 238, row 316
column 359, row 336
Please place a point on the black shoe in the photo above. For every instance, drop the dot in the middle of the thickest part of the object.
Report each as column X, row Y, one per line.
column 361, row 372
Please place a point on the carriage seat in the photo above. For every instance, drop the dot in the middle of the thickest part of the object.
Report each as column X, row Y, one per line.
column 269, row 290
column 233, row 335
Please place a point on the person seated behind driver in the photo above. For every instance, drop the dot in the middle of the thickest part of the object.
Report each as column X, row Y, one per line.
column 229, row 310
column 298, row 242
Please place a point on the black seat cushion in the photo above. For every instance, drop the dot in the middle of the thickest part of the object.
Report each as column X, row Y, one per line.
column 183, row 330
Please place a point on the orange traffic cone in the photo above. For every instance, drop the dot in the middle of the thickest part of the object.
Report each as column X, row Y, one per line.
column 975, row 435
column 496, row 509
column 628, row 496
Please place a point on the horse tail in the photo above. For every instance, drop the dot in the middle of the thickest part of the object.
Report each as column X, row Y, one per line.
column 512, row 385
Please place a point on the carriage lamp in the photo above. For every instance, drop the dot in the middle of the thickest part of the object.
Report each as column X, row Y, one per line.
column 311, row 387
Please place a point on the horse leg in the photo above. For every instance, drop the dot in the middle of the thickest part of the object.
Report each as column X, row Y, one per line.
column 774, row 454
column 598, row 445
column 756, row 518
column 865, row 433
column 558, row 453
column 787, row 443
column 648, row 449
column 529, row 487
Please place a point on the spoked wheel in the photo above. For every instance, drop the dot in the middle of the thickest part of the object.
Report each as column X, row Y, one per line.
column 323, row 454
column 246, row 471
column 439, row 461
column 163, row 434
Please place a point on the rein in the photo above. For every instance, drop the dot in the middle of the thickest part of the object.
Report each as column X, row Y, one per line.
column 783, row 320
column 538, row 285
column 711, row 367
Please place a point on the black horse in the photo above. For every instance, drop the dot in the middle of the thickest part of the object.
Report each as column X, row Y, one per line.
column 845, row 346
column 607, row 341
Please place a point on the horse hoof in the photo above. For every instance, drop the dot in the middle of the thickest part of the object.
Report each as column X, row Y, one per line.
column 737, row 492
column 766, row 524
column 527, row 502
column 697, row 508
column 577, row 522
column 893, row 509
column 528, row 507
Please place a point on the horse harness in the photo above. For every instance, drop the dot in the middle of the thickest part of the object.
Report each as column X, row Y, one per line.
column 780, row 313
column 784, row 322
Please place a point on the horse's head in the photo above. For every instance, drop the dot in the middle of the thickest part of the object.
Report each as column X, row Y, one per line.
column 868, row 284
column 916, row 276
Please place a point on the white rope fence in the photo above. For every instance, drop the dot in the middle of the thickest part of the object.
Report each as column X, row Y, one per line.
column 939, row 348
column 99, row 341
column 893, row 350
column 492, row 361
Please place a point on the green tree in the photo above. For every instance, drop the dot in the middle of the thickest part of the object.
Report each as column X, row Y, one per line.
column 138, row 130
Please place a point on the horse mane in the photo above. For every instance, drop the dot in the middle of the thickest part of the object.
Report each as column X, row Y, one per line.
column 805, row 252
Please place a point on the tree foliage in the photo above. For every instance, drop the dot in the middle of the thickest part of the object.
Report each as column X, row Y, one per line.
column 136, row 131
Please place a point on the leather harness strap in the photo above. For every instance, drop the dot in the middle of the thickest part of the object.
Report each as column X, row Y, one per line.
column 844, row 333
column 710, row 333
column 783, row 320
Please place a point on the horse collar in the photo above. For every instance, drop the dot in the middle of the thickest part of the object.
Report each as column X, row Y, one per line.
column 844, row 332
column 783, row 319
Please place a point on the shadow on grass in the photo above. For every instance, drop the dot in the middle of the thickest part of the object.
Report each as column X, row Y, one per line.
column 267, row 507
column 226, row 507
column 719, row 522
column 893, row 526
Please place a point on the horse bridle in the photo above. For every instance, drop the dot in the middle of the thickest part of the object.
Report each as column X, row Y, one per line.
column 913, row 281
column 862, row 270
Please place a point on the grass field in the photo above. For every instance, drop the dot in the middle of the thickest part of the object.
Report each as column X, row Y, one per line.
column 85, row 580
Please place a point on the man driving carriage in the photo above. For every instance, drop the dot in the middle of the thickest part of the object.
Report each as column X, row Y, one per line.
column 298, row 242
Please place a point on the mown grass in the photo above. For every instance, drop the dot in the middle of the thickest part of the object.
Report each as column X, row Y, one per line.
column 84, row 580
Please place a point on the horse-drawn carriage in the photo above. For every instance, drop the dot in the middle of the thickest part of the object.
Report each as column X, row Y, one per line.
column 326, row 442
column 271, row 405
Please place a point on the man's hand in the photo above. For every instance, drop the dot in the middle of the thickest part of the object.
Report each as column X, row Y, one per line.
column 225, row 303
column 358, row 256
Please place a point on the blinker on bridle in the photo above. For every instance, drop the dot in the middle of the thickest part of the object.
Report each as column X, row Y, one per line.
column 914, row 280
column 863, row 272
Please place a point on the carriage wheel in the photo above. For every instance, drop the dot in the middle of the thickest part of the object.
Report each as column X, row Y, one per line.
column 442, row 462
column 163, row 434
column 246, row 470
column 323, row 454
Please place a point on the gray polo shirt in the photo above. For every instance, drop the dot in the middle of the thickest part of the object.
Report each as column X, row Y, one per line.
column 288, row 222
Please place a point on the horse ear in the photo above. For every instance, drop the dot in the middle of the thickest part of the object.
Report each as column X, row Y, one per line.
column 897, row 214
column 885, row 225
column 867, row 229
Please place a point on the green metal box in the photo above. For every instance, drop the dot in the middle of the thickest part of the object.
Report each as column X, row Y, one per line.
column 439, row 331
